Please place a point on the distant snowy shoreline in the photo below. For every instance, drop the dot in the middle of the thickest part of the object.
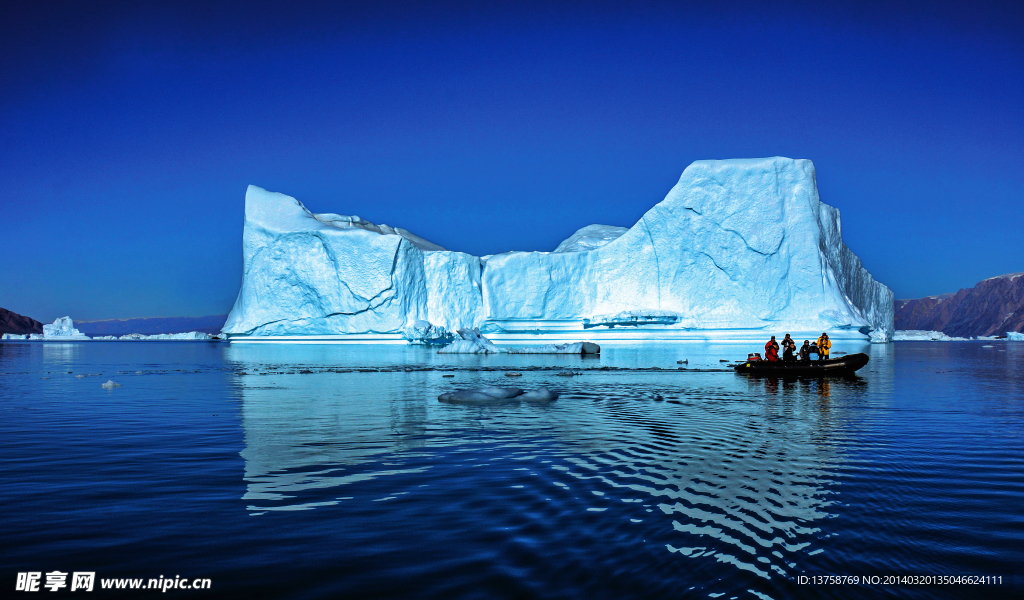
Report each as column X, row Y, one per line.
column 920, row 335
column 63, row 330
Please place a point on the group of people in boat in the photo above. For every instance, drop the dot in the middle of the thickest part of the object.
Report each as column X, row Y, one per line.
column 820, row 349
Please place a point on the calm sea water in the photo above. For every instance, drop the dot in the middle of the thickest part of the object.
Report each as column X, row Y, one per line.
column 334, row 472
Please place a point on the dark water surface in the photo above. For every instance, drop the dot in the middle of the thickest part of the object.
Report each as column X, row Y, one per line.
column 304, row 472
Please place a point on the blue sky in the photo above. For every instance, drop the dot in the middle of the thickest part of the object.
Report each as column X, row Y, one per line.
column 129, row 132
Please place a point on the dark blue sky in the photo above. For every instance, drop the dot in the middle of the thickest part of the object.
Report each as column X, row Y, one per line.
column 129, row 132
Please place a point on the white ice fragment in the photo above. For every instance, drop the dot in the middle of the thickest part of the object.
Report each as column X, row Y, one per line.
column 471, row 343
column 1014, row 336
column 110, row 384
column 424, row 332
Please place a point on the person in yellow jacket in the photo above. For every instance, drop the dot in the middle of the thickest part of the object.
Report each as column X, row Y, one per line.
column 824, row 344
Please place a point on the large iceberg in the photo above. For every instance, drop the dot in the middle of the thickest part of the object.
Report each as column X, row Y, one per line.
column 738, row 249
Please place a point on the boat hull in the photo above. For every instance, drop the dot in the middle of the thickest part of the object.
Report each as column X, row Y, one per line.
column 836, row 367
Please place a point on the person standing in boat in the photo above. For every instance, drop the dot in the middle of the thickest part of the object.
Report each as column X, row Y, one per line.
column 824, row 345
column 805, row 351
column 813, row 350
column 788, row 347
column 771, row 350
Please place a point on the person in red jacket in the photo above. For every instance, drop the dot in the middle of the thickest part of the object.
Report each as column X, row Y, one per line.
column 771, row 350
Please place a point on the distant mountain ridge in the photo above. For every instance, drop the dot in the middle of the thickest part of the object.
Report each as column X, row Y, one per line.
column 152, row 325
column 12, row 322
column 992, row 307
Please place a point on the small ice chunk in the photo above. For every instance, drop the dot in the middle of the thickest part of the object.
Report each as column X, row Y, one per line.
column 541, row 395
column 472, row 342
column 484, row 395
column 110, row 384
column 424, row 332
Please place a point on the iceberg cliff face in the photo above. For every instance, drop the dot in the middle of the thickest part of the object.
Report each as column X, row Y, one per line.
column 736, row 245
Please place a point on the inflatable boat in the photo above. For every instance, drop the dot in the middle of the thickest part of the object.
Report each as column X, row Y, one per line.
column 846, row 365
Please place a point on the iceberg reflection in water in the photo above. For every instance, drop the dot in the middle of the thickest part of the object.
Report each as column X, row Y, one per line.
column 734, row 472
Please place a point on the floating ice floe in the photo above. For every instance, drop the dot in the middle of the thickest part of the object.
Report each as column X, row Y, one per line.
column 541, row 395
column 471, row 342
column 1014, row 336
column 110, row 384
column 573, row 348
column 498, row 395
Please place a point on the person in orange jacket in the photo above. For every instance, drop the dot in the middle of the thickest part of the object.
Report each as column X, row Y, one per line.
column 824, row 344
column 771, row 350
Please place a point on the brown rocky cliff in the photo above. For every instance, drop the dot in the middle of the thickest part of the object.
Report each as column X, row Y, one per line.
column 992, row 307
column 11, row 322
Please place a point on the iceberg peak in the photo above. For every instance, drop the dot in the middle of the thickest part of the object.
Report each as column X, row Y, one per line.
column 591, row 237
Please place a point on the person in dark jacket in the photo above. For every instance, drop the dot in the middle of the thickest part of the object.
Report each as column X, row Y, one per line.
column 813, row 350
column 788, row 347
column 805, row 351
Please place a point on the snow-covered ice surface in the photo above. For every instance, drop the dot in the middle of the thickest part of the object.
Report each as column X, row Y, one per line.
column 920, row 335
column 738, row 249
column 1014, row 336
column 591, row 237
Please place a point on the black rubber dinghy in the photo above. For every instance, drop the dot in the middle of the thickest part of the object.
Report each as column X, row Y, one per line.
column 834, row 367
